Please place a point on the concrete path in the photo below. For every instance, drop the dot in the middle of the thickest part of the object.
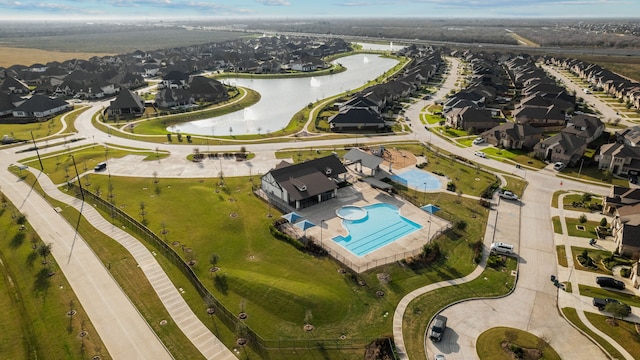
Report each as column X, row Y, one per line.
column 123, row 330
column 179, row 310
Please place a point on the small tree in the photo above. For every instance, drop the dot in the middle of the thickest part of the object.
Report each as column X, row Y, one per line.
column 44, row 250
column 586, row 197
column 617, row 310
column 603, row 222
column 582, row 219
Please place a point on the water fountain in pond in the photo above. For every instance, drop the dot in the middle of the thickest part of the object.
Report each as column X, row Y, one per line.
column 314, row 82
column 390, row 45
column 365, row 60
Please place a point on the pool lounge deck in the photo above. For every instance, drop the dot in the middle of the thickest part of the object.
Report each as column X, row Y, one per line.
column 362, row 194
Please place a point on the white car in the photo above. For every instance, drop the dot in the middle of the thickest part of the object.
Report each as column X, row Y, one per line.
column 508, row 195
column 558, row 166
column 439, row 357
column 480, row 154
column 478, row 141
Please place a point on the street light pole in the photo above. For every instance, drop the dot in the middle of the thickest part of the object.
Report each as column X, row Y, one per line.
column 424, row 197
column 321, row 226
column 77, row 176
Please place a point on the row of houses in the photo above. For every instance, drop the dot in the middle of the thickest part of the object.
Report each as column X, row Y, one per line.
column 107, row 76
column 602, row 79
column 366, row 108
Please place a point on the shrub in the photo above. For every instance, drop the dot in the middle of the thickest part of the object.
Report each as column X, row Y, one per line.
column 451, row 186
column 603, row 222
column 284, row 237
column 582, row 219
column 625, row 272
column 495, row 261
column 460, row 225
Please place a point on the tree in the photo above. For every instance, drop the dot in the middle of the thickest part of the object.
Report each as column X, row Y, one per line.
column 603, row 222
column 617, row 310
column 44, row 250
column 586, row 197
column 582, row 219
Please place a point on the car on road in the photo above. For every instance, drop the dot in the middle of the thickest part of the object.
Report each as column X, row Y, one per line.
column 508, row 195
column 439, row 357
column 480, row 154
column 605, row 281
column 478, row 141
column 586, row 91
column 438, row 328
column 600, row 303
column 558, row 166
column 633, row 179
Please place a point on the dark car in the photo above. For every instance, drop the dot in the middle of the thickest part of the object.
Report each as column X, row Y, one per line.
column 633, row 179
column 604, row 281
column 600, row 303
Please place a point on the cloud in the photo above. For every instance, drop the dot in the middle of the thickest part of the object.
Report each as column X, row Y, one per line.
column 273, row 2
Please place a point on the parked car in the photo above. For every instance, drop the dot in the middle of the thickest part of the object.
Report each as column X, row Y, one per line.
column 558, row 166
column 480, row 154
column 478, row 141
column 101, row 166
column 439, row 357
column 633, row 179
column 600, row 303
column 605, row 281
column 438, row 328
column 501, row 248
column 508, row 195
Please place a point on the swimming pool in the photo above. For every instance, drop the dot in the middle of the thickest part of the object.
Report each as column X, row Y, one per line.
column 418, row 180
column 382, row 225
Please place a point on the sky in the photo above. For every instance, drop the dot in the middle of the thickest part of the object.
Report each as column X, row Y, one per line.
column 174, row 9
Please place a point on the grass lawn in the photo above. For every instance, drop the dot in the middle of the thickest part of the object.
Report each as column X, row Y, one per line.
column 596, row 255
column 421, row 310
column 572, row 316
column 276, row 284
column 589, row 228
column 518, row 156
column 22, row 132
column 488, row 344
column 557, row 225
column 624, row 333
column 561, row 251
column 515, row 185
column 556, row 196
column 302, row 154
column 431, row 119
column 593, row 291
column 35, row 305
column 577, row 198
column 450, row 132
column 593, row 174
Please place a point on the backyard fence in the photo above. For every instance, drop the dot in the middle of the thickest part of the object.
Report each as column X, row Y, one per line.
column 211, row 303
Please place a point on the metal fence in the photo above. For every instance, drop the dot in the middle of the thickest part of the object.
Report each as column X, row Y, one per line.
column 226, row 316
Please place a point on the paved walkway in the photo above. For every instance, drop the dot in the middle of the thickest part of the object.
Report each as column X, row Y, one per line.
column 179, row 310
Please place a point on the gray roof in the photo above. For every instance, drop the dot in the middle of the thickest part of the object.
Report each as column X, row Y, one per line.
column 40, row 103
column 366, row 159
column 127, row 99
column 309, row 178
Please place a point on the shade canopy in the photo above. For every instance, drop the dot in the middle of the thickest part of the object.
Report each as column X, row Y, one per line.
column 430, row 208
column 304, row 224
column 291, row 217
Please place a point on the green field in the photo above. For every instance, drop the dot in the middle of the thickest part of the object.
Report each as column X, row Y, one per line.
column 35, row 299
column 489, row 344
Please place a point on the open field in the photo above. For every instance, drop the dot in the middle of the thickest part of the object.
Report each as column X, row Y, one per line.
column 23, row 56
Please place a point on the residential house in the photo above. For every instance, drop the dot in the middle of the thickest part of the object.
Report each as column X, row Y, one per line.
column 356, row 118
column 619, row 159
column 11, row 85
column 585, row 126
column 471, row 119
column 550, row 118
column 127, row 103
column 510, row 135
column 170, row 97
column 207, row 89
column 40, row 107
column 562, row 147
column 629, row 136
column 304, row 184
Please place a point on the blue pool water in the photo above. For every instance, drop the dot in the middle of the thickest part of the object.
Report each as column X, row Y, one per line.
column 416, row 179
column 382, row 225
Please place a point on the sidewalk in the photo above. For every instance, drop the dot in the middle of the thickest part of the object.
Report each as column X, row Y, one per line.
column 576, row 277
column 179, row 310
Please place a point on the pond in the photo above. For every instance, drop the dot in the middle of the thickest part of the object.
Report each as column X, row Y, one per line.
column 282, row 98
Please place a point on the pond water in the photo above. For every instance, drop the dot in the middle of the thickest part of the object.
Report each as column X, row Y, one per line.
column 282, row 98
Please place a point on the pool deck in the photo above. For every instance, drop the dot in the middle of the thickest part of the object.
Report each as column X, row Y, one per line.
column 362, row 194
